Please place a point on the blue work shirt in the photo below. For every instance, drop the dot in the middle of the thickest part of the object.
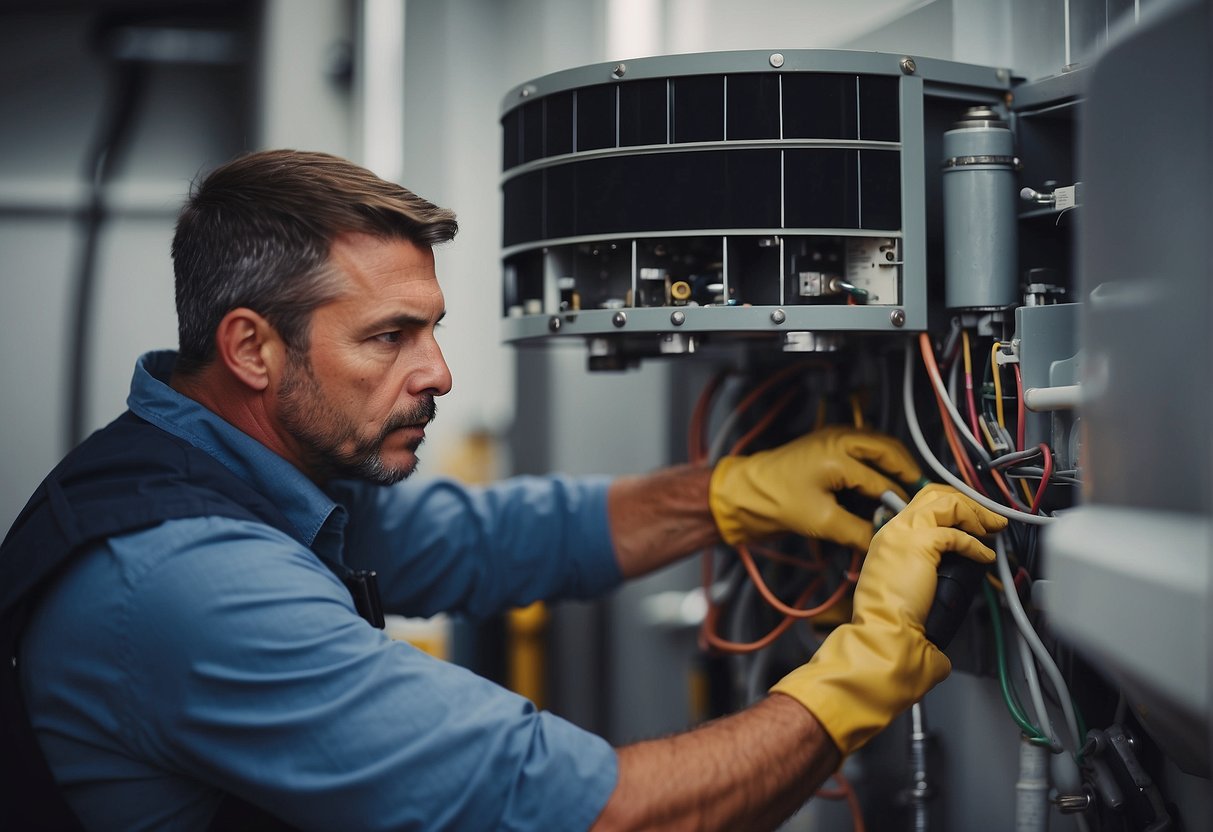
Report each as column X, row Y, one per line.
column 211, row 654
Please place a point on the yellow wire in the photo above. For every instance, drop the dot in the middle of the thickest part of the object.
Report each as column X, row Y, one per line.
column 856, row 410
column 964, row 335
column 997, row 385
column 985, row 430
column 994, row 582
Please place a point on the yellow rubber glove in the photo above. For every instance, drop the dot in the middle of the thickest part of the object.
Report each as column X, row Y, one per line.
column 869, row 671
column 791, row 488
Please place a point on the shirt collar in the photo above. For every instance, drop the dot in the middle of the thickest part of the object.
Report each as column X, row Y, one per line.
column 298, row 498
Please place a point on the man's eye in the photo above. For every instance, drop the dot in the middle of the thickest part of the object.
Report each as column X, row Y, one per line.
column 392, row 337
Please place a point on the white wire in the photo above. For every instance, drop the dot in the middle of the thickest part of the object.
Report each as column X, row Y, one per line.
column 1038, row 700
column 1038, row 648
column 907, row 395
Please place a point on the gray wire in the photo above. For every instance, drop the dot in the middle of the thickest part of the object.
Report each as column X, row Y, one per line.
column 920, row 442
column 937, row 383
column 721, row 439
column 1037, row 646
column 1014, row 456
column 1038, row 701
column 755, row 683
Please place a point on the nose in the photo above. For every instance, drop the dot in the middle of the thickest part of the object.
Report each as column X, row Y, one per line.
column 432, row 376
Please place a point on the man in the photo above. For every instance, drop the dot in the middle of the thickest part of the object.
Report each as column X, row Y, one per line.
column 203, row 646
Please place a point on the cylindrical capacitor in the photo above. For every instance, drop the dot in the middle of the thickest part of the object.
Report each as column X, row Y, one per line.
column 979, row 202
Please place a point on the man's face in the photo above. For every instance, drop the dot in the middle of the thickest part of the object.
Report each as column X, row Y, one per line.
column 358, row 403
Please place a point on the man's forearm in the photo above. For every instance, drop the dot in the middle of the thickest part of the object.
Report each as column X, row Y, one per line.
column 747, row 771
column 661, row 517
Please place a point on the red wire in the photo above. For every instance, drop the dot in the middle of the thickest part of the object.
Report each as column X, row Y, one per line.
column 965, row 465
column 972, row 403
column 1044, row 477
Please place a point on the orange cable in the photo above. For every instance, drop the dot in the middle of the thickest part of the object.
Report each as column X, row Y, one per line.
column 967, row 472
column 751, row 568
column 708, row 630
column 847, row 793
column 763, row 423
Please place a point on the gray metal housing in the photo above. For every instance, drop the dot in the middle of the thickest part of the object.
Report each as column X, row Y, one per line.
column 756, row 298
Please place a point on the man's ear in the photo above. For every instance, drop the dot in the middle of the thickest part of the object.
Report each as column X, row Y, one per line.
column 250, row 348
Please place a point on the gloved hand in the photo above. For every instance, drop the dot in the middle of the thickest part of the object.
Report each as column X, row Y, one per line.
column 791, row 488
column 869, row 671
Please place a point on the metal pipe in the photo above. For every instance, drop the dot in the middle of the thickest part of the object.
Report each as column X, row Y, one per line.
column 1032, row 788
column 920, row 789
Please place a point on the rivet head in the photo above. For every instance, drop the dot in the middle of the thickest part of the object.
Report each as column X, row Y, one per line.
column 908, row 66
column 619, row 319
column 778, row 316
column 619, row 70
column 898, row 317
column 777, row 59
column 678, row 318
column 554, row 324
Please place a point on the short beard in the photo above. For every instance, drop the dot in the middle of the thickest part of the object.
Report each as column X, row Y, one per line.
column 323, row 431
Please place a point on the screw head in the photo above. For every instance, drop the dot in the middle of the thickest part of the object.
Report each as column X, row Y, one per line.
column 778, row 316
column 619, row 319
column 678, row 318
column 777, row 59
column 619, row 70
column 527, row 91
column 908, row 66
column 554, row 324
column 898, row 317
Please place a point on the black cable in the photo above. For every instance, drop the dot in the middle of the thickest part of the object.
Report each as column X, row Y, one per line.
column 128, row 83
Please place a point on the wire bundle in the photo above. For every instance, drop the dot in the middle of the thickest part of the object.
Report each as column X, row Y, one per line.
column 815, row 564
column 971, row 456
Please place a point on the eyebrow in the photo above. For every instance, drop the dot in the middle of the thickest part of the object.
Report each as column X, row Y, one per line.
column 403, row 321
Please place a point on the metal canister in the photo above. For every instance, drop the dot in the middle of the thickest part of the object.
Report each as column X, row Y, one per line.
column 979, row 204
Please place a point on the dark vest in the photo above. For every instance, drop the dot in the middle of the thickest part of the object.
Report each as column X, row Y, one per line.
column 126, row 477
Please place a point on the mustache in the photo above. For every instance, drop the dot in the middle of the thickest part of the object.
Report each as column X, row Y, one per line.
column 422, row 413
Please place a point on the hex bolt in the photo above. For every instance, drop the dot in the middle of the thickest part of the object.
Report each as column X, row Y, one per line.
column 898, row 317
column 908, row 66
column 778, row 316
column 619, row 319
column 619, row 70
column 777, row 59
column 678, row 318
column 554, row 324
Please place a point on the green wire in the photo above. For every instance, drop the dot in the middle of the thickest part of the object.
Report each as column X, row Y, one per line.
column 1033, row 733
